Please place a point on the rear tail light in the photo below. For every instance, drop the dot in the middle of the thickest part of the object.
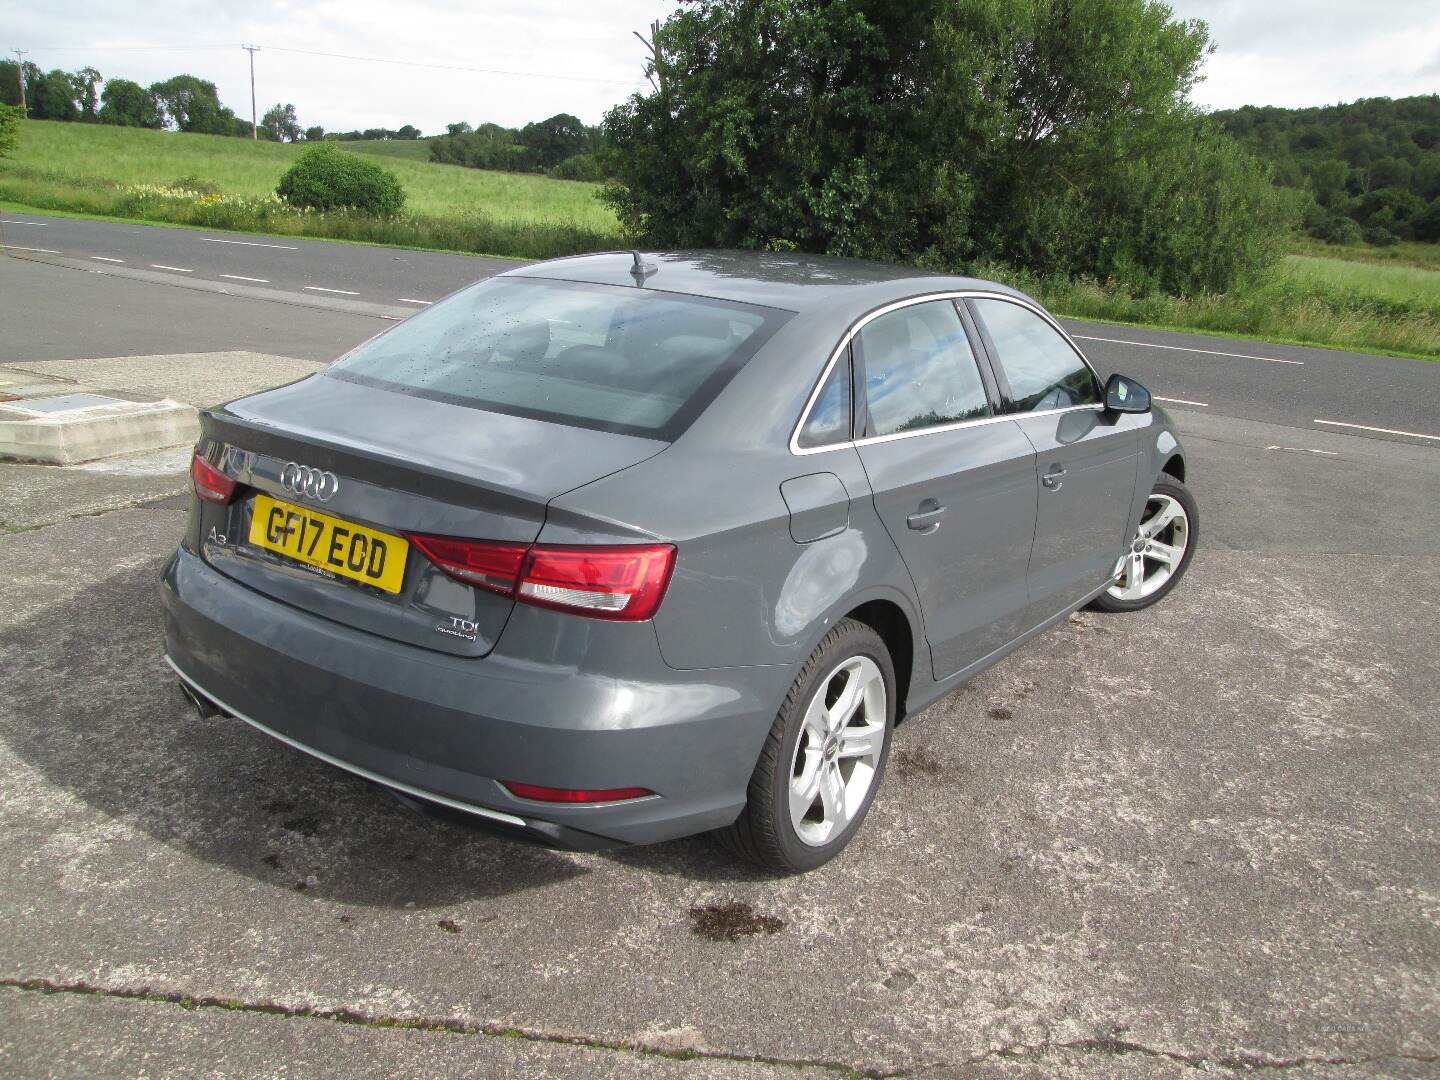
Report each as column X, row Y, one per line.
column 490, row 566
column 575, row 795
column 210, row 483
column 625, row 582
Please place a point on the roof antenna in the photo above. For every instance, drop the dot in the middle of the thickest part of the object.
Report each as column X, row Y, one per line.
column 641, row 270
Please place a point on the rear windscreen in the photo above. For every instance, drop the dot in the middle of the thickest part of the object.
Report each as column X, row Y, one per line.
column 611, row 357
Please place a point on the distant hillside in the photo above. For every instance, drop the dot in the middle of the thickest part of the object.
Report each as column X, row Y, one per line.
column 413, row 149
column 1372, row 168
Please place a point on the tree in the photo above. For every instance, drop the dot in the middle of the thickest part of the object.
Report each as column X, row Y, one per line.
column 1050, row 134
column 488, row 146
column 1344, row 154
column 314, row 134
column 128, row 104
column 1426, row 225
column 10, row 118
column 409, row 131
column 192, row 104
column 10, row 76
column 555, row 139
column 52, row 97
column 85, row 85
column 281, row 123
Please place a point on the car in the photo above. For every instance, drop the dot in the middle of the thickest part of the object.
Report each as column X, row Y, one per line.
column 630, row 546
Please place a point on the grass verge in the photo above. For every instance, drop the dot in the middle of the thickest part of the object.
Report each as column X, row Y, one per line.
column 1296, row 304
column 471, row 231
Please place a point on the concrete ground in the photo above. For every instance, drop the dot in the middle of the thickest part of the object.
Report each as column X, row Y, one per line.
column 1202, row 837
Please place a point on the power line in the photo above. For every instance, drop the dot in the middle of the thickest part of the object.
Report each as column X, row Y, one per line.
column 128, row 48
column 450, row 67
column 348, row 56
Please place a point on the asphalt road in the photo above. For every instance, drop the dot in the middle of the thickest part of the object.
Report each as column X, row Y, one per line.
column 1204, row 838
column 1305, row 388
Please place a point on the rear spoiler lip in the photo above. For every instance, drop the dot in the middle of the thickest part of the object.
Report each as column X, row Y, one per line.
column 404, row 474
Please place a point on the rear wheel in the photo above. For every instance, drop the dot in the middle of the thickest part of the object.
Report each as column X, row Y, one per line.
column 1159, row 552
column 824, row 757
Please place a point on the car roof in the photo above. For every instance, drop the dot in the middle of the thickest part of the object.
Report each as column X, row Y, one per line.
column 794, row 282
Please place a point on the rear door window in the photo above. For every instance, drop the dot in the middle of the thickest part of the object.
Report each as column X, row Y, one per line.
column 616, row 358
column 920, row 371
column 1044, row 372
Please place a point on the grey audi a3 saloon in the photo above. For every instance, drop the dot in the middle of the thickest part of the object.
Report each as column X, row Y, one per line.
column 623, row 547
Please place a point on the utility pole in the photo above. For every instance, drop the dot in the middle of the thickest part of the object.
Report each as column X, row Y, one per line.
column 254, row 126
column 20, row 77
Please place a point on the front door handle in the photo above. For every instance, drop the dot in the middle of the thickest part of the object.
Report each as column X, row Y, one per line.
column 1054, row 479
column 926, row 519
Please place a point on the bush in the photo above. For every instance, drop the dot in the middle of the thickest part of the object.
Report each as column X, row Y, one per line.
column 1338, row 230
column 10, row 117
column 578, row 167
column 1379, row 236
column 1427, row 225
column 197, row 185
column 327, row 178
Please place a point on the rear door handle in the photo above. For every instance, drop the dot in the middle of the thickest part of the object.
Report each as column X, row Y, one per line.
column 1054, row 479
column 926, row 519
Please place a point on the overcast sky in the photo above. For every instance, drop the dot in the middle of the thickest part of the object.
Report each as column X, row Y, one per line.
column 1271, row 52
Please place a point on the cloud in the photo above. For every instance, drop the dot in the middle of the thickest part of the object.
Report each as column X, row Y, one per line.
column 1316, row 53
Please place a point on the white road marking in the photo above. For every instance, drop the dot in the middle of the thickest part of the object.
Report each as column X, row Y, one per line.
column 177, row 269
column 106, row 258
column 251, row 243
column 12, row 221
column 1304, row 450
column 1180, row 401
column 237, row 277
column 47, row 251
column 342, row 292
column 1382, row 430
column 407, row 300
column 1186, row 348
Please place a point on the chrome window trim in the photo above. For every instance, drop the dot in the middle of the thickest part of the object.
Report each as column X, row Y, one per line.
column 961, row 294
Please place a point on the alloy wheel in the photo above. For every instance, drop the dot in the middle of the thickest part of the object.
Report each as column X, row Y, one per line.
column 1156, row 551
column 838, row 751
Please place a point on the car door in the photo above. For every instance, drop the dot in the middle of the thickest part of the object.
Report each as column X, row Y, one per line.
column 1086, row 462
column 953, row 483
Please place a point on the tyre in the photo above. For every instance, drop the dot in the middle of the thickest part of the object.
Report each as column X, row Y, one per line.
column 824, row 757
column 1160, row 551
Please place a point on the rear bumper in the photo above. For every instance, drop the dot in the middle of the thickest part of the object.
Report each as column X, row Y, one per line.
column 561, row 701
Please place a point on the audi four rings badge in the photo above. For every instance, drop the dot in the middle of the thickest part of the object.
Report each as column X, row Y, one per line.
column 314, row 483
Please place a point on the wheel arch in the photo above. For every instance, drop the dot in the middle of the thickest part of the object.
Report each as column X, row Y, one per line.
column 1175, row 466
column 901, row 633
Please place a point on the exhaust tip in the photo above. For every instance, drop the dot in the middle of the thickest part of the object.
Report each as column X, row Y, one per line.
column 204, row 707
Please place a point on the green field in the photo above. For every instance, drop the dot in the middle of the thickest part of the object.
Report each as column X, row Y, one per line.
column 1387, row 282
column 85, row 153
column 1377, row 299
column 410, row 149
column 1406, row 253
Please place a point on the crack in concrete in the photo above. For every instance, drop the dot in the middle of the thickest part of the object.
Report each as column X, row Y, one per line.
column 1109, row 1046
column 439, row 1025
column 1236, row 1062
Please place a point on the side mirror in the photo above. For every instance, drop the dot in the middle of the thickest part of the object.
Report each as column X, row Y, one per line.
column 1125, row 395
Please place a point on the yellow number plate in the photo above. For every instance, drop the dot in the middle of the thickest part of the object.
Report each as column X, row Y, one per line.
column 331, row 543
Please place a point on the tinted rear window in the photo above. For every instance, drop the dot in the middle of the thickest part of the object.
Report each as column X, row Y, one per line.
column 616, row 358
